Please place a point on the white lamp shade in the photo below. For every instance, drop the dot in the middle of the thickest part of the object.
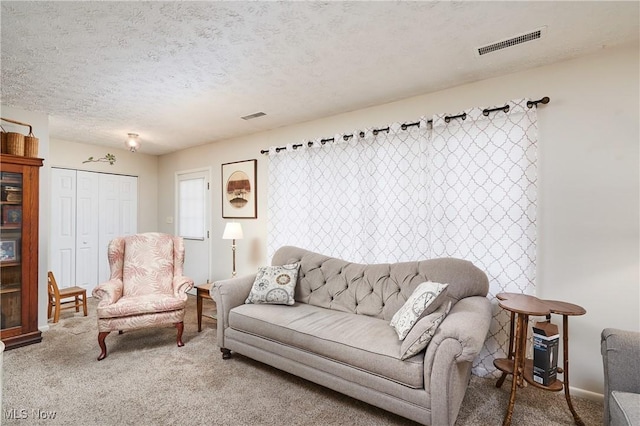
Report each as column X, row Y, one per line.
column 232, row 231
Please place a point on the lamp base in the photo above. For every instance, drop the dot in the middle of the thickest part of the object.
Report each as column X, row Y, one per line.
column 233, row 251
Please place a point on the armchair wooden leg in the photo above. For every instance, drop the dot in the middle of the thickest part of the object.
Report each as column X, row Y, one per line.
column 226, row 353
column 103, row 347
column 180, row 327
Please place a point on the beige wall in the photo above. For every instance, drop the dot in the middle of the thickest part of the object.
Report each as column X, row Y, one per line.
column 588, row 246
column 40, row 123
column 71, row 155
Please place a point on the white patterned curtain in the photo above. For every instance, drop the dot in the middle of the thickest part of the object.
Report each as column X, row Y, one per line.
column 482, row 184
column 465, row 188
column 362, row 199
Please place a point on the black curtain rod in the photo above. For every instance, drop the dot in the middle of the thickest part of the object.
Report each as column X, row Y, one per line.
column 448, row 118
column 544, row 101
column 487, row 111
column 405, row 126
column 530, row 104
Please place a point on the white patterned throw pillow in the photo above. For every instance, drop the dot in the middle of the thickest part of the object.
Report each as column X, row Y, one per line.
column 425, row 299
column 422, row 333
column 274, row 285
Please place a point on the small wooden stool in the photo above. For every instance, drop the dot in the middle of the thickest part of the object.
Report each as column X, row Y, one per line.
column 203, row 293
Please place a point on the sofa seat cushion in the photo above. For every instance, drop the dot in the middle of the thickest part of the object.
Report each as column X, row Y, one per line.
column 366, row 343
column 625, row 408
column 137, row 305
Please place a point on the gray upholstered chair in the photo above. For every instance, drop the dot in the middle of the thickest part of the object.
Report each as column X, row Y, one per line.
column 621, row 358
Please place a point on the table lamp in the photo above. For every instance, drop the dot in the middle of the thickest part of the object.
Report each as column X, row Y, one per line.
column 233, row 232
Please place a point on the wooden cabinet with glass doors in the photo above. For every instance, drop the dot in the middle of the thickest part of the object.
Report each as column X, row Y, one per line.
column 19, row 181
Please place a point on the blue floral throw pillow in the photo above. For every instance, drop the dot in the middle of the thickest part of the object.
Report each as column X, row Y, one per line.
column 274, row 285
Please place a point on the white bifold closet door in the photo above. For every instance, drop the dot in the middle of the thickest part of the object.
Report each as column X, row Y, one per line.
column 88, row 210
column 118, row 201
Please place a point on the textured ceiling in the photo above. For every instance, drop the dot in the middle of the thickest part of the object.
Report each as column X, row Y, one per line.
column 183, row 73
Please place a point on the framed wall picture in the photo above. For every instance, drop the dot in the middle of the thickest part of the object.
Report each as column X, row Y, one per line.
column 239, row 190
column 11, row 215
column 9, row 250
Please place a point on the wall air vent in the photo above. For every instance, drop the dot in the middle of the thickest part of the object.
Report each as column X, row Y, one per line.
column 252, row 116
column 512, row 41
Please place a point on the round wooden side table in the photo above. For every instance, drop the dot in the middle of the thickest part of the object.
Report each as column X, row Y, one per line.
column 521, row 306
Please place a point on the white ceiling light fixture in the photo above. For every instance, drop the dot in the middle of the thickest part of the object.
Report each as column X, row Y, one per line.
column 132, row 143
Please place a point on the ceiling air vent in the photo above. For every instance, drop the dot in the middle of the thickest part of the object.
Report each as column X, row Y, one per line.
column 512, row 41
column 252, row 116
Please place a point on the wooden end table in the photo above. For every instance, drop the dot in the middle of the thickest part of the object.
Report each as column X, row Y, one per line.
column 202, row 292
column 521, row 306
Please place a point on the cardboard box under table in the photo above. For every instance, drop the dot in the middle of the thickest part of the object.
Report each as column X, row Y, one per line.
column 545, row 352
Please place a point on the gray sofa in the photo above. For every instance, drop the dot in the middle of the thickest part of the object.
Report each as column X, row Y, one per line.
column 621, row 359
column 337, row 333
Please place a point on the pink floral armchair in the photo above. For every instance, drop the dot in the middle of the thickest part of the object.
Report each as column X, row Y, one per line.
column 146, row 288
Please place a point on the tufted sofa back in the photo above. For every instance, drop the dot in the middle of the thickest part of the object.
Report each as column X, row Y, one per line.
column 377, row 290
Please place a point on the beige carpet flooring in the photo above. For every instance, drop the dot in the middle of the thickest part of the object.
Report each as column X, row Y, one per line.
column 147, row 380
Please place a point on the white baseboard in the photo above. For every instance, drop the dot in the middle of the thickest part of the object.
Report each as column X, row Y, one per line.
column 581, row 393
column 43, row 328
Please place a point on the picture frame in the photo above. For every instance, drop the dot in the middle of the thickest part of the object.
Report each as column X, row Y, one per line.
column 12, row 215
column 9, row 250
column 240, row 190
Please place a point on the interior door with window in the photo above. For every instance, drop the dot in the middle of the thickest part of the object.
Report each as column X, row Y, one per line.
column 193, row 223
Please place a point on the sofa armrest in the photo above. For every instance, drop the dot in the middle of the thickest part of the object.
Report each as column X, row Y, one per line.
column 108, row 292
column 228, row 294
column 621, row 361
column 181, row 285
column 450, row 354
column 468, row 322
